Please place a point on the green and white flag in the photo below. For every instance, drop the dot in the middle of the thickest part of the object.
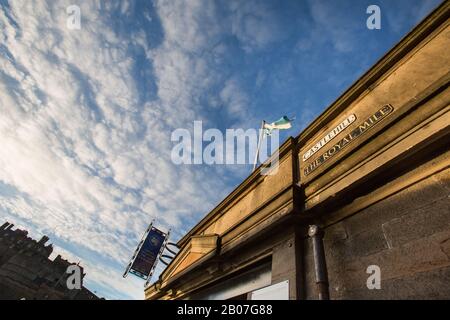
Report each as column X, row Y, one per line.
column 281, row 124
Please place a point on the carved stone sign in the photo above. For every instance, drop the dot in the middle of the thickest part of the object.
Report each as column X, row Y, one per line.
column 350, row 137
column 329, row 136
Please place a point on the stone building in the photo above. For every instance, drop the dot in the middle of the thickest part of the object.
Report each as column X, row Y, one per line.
column 27, row 272
column 363, row 192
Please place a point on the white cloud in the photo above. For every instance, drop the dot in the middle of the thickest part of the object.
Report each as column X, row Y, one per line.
column 85, row 124
column 255, row 24
column 235, row 98
column 88, row 158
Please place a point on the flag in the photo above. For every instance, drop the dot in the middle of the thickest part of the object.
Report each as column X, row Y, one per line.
column 267, row 128
column 281, row 124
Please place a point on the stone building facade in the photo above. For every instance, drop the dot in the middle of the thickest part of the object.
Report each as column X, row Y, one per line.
column 363, row 191
column 26, row 272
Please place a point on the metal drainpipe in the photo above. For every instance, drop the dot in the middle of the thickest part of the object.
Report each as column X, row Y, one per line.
column 320, row 265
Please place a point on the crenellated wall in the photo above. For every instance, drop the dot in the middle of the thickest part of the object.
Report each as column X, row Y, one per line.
column 372, row 171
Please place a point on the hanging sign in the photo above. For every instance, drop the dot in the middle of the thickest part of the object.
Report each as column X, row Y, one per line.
column 147, row 253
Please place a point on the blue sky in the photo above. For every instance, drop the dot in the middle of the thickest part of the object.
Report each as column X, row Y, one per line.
column 86, row 115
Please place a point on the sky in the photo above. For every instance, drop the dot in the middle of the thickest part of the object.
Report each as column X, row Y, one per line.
column 86, row 115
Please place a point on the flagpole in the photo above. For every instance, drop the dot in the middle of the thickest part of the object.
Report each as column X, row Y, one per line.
column 259, row 145
column 138, row 248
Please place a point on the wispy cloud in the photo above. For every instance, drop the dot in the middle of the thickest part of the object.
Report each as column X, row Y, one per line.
column 86, row 115
column 76, row 140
